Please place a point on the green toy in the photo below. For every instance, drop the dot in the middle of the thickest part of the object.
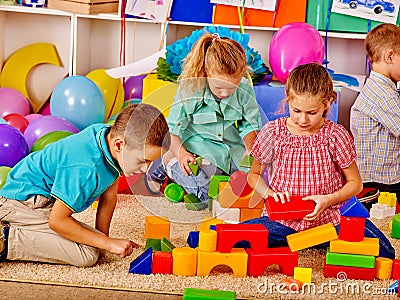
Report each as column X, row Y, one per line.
column 174, row 192
column 195, row 167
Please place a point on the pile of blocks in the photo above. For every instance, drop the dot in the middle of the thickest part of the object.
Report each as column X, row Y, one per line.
column 386, row 206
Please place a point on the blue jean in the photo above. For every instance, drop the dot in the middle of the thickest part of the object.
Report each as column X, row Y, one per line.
column 278, row 232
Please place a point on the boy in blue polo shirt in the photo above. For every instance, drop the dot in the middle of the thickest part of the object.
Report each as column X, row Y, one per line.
column 44, row 189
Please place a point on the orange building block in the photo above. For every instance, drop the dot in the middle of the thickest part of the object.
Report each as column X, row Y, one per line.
column 184, row 261
column 369, row 246
column 157, row 227
column 207, row 222
column 249, row 213
column 383, row 268
column 311, row 237
column 236, row 259
column 228, row 199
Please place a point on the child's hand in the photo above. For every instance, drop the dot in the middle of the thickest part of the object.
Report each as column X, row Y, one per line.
column 121, row 247
column 280, row 196
column 322, row 202
column 184, row 159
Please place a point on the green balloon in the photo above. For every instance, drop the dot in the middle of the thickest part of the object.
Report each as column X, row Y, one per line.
column 49, row 138
column 4, row 170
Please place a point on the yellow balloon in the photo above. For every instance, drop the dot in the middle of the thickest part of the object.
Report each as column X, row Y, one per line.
column 112, row 90
column 17, row 67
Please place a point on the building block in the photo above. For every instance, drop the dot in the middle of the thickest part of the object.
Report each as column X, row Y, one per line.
column 208, row 240
column 236, row 260
column 193, row 203
column 349, row 272
column 296, row 208
column 350, row 260
column 225, row 214
column 303, row 274
column 156, row 227
column 247, row 161
column 162, row 262
column 383, row 268
column 230, row 234
column 354, row 208
column 396, row 227
column 249, row 213
column 207, row 222
column 200, row 294
column 396, row 269
column 213, row 189
column 195, row 167
column 142, row 263
column 390, row 199
column 282, row 256
column 184, row 261
column 228, row 199
column 394, row 287
column 311, row 237
column 174, row 192
column 239, row 184
column 381, row 211
column 397, row 208
column 193, row 239
column 351, row 229
column 166, row 245
column 369, row 246
column 155, row 244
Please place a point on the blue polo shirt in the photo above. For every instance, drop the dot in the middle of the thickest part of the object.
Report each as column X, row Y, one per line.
column 75, row 170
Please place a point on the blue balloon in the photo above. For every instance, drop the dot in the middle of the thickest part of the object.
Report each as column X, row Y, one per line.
column 78, row 100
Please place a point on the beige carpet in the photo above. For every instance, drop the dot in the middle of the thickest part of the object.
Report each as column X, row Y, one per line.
column 128, row 222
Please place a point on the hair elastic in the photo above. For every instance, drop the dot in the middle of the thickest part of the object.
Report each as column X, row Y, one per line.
column 215, row 36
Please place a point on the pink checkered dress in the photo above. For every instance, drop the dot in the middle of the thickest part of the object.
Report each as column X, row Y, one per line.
column 305, row 165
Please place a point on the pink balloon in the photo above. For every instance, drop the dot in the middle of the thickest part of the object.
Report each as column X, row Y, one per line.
column 12, row 101
column 32, row 117
column 294, row 44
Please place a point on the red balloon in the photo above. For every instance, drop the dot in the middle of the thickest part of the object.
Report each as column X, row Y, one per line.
column 238, row 182
column 17, row 121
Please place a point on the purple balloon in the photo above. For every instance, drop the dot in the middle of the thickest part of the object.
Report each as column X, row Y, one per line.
column 293, row 45
column 133, row 87
column 12, row 101
column 13, row 146
column 45, row 124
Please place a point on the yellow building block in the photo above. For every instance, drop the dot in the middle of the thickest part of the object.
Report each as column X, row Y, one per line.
column 156, row 227
column 303, row 274
column 368, row 246
column 383, row 268
column 236, row 260
column 387, row 198
column 208, row 240
column 158, row 93
column 184, row 261
column 207, row 222
column 228, row 199
column 311, row 237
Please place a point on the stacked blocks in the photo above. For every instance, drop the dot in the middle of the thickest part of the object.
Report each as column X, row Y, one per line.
column 386, row 206
column 352, row 253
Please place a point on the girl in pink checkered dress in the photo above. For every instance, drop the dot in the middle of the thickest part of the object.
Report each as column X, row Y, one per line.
column 308, row 155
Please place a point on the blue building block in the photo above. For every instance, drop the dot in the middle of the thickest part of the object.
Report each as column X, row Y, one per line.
column 193, row 239
column 142, row 263
column 394, row 288
column 354, row 208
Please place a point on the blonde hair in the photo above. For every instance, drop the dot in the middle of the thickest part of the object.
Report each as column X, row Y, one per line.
column 380, row 39
column 311, row 80
column 212, row 54
column 141, row 125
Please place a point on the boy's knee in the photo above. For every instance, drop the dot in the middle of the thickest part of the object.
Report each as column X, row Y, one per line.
column 88, row 257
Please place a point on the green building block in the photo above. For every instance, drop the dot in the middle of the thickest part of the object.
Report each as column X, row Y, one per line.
column 195, row 167
column 247, row 161
column 166, row 246
column 350, row 260
column 213, row 189
column 193, row 203
column 396, row 227
column 200, row 294
column 153, row 243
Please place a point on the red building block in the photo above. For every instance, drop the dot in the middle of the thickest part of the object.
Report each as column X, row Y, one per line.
column 296, row 208
column 162, row 262
column 396, row 269
column 230, row 234
column 282, row 256
column 351, row 229
column 344, row 272
column 238, row 182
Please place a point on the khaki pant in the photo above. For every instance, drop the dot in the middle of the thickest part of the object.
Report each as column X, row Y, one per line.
column 31, row 239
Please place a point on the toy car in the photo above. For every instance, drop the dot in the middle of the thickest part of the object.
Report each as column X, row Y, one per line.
column 377, row 6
